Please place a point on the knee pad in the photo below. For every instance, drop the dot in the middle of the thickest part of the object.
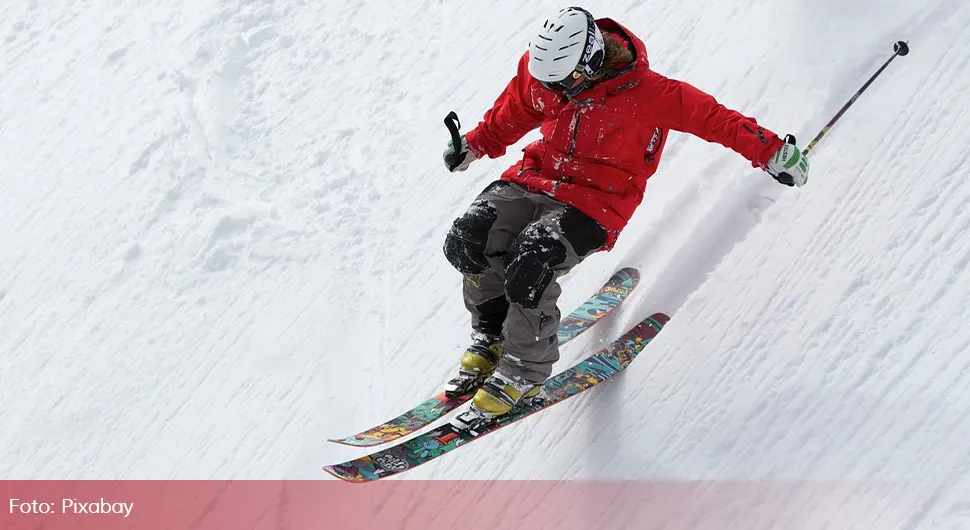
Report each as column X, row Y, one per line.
column 465, row 243
column 530, row 266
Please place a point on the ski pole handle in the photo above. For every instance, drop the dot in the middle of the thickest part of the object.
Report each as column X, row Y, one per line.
column 901, row 49
column 452, row 123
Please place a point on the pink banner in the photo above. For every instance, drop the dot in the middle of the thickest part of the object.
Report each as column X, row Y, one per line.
column 394, row 504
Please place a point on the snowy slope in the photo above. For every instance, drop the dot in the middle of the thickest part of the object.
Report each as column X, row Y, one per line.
column 222, row 221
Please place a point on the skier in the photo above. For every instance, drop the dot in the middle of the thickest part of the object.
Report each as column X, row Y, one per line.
column 604, row 116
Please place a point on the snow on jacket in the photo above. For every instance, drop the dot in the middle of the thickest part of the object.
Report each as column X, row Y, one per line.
column 598, row 150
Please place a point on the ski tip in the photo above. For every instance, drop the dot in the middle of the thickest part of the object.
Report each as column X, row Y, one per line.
column 632, row 272
column 628, row 277
column 661, row 318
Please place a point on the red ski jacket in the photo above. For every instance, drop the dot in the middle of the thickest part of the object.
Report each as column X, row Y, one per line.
column 598, row 150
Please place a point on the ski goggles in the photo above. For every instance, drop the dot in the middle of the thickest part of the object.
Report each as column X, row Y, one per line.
column 565, row 84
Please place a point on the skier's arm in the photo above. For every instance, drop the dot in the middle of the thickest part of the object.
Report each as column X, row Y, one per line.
column 512, row 116
column 678, row 105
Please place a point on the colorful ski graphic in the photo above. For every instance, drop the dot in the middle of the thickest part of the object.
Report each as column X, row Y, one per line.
column 608, row 298
column 580, row 377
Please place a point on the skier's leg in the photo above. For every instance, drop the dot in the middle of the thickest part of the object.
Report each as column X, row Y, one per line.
column 467, row 249
column 543, row 252
column 546, row 249
column 477, row 245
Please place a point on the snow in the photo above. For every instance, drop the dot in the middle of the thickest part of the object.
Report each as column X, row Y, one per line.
column 222, row 228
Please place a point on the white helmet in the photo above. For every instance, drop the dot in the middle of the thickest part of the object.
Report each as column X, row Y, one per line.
column 567, row 42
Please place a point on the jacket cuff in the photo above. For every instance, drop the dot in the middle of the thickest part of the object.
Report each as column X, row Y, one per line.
column 769, row 151
column 476, row 141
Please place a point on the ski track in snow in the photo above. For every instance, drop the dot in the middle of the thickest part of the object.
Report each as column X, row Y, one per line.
column 222, row 225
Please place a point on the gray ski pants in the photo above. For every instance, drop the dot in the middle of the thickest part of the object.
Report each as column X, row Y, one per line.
column 511, row 246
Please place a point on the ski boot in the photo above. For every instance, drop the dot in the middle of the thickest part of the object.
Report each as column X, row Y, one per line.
column 497, row 396
column 477, row 363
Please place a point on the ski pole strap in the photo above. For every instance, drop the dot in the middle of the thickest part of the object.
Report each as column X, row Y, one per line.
column 900, row 48
column 452, row 123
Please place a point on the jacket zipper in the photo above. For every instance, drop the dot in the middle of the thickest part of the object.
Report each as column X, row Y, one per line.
column 575, row 127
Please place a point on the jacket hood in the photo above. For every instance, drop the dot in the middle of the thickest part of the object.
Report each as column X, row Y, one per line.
column 611, row 26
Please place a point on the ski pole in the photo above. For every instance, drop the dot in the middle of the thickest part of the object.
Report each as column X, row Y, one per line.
column 901, row 49
column 452, row 123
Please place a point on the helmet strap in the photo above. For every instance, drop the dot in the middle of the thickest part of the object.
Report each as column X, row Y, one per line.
column 594, row 54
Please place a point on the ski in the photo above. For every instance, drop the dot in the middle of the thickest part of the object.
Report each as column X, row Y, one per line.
column 584, row 375
column 608, row 298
